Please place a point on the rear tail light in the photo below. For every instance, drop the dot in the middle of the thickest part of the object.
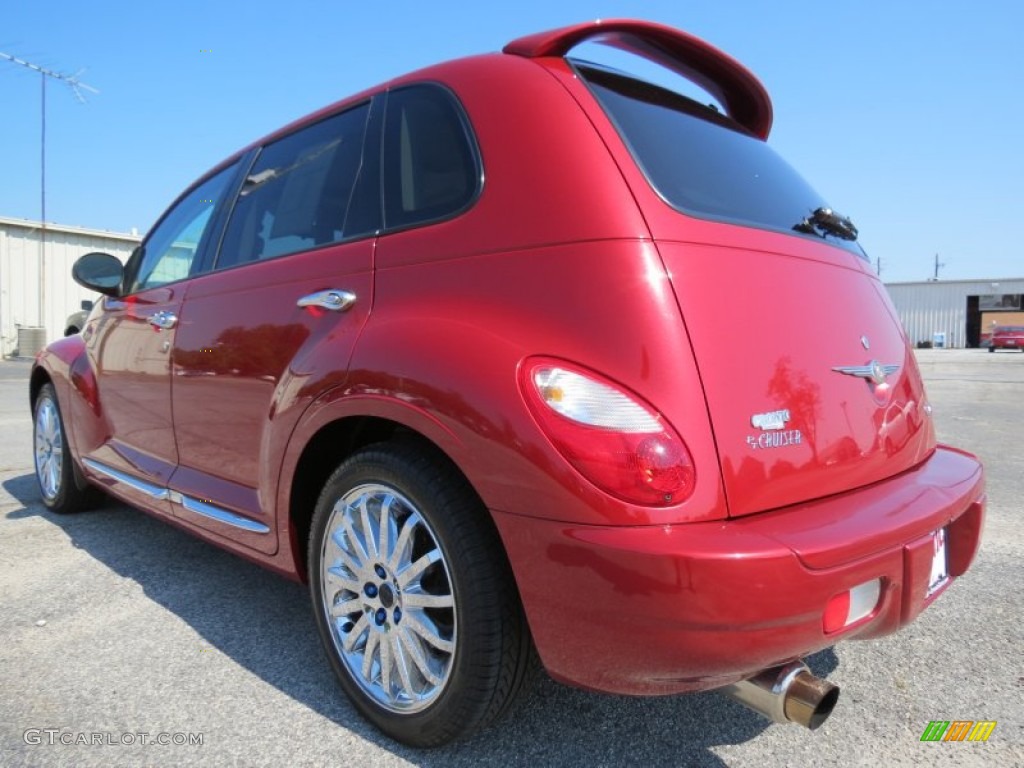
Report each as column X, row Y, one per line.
column 612, row 438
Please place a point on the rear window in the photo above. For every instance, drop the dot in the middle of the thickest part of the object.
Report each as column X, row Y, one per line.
column 702, row 162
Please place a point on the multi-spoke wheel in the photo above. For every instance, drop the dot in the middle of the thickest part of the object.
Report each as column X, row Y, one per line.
column 414, row 598
column 62, row 490
column 389, row 598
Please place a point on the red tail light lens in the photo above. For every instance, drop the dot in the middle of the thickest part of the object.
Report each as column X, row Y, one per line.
column 612, row 438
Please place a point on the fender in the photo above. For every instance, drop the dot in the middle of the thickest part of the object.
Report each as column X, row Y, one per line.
column 66, row 364
column 56, row 360
column 353, row 401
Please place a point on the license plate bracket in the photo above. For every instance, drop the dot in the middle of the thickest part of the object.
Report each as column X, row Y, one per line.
column 939, row 574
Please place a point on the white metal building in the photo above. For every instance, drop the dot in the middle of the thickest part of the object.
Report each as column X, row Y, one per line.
column 30, row 310
column 959, row 312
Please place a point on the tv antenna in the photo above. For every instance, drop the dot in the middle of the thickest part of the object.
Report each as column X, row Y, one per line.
column 77, row 86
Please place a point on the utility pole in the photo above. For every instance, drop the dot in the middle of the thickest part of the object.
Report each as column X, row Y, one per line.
column 937, row 267
column 878, row 266
column 76, row 87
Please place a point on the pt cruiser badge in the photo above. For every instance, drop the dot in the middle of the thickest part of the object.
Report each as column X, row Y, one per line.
column 773, row 431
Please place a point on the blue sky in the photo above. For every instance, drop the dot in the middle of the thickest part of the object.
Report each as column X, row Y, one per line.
column 906, row 116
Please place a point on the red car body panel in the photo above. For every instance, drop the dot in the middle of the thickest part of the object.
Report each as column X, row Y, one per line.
column 243, row 341
column 711, row 603
column 567, row 253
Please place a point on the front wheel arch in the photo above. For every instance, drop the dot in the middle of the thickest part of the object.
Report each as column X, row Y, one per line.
column 36, row 381
column 70, row 491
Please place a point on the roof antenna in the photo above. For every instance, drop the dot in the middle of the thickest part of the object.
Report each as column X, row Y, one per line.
column 77, row 86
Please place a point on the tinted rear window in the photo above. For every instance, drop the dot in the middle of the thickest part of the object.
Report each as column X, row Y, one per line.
column 431, row 165
column 702, row 162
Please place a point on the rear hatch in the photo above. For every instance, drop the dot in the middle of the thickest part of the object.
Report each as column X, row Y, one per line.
column 810, row 384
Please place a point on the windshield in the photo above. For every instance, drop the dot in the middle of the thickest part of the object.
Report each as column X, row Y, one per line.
column 703, row 163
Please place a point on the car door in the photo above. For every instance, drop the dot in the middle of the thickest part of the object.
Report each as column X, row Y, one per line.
column 275, row 322
column 131, row 342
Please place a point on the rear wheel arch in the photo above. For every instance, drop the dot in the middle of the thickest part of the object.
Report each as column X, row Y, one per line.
column 331, row 445
column 420, row 616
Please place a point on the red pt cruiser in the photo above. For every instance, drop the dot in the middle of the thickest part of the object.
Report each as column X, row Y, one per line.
column 524, row 358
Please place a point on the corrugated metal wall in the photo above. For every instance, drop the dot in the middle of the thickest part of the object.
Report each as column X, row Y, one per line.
column 19, row 274
column 928, row 308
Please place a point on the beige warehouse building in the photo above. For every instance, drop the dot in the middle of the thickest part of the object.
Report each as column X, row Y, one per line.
column 33, row 311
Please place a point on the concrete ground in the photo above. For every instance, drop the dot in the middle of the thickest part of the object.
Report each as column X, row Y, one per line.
column 118, row 625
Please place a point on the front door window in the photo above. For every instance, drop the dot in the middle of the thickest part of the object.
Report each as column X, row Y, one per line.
column 170, row 250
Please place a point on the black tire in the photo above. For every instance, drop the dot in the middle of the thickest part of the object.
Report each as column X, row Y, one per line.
column 61, row 484
column 492, row 660
column 991, row 349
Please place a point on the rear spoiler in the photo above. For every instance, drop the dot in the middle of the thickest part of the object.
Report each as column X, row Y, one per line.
column 741, row 94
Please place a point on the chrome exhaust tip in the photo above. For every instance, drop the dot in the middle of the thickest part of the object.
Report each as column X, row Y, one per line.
column 787, row 694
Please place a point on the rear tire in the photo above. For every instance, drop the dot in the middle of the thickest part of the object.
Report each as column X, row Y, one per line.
column 991, row 349
column 414, row 598
column 60, row 483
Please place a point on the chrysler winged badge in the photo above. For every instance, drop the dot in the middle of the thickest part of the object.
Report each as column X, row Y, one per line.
column 873, row 371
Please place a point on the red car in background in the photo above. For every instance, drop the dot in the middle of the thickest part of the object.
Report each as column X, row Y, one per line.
column 521, row 357
column 1007, row 337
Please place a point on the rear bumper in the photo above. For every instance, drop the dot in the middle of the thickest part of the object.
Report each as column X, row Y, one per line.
column 652, row 610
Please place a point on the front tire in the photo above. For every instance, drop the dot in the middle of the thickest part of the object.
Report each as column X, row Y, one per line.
column 414, row 598
column 59, row 484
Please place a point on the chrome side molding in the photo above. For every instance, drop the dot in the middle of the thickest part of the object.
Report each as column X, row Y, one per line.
column 154, row 491
column 204, row 508
column 219, row 514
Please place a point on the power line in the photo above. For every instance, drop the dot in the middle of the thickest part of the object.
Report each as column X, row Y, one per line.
column 77, row 86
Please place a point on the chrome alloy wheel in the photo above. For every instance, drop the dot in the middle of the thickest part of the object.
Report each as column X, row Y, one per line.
column 388, row 599
column 49, row 445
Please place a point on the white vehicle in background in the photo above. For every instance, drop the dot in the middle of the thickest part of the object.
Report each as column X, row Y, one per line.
column 76, row 320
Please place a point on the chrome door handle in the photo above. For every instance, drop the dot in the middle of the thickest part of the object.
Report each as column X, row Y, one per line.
column 336, row 301
column 163, row 319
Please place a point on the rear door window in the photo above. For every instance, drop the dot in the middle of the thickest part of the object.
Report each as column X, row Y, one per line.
column 430, row 161
column 702, row 162
column 303, row 192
